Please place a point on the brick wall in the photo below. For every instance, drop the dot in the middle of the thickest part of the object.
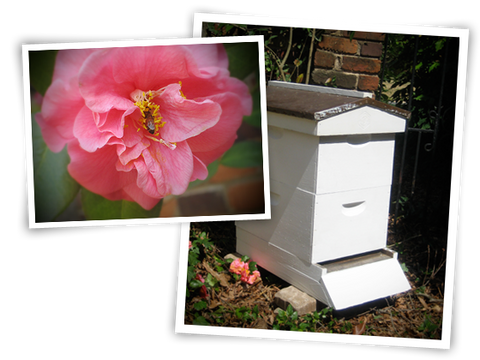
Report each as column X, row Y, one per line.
column 349, row 64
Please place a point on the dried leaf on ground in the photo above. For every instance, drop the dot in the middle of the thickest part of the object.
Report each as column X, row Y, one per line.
column 223, row 279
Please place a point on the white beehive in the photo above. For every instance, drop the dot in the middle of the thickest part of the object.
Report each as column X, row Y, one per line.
column 331, row 159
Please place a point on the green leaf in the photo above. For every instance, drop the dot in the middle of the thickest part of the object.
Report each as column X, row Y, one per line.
column 41, row 65
column 96, row 207
column 200, row 320
column 243, row 154
column 433, row 66
column 193, row 258
column 200, row 305
column 53, row 186
column 195, row 284
column 210, row 281
column 255, row 119
column 190, row 273
column 242, row 58
column 439, row 44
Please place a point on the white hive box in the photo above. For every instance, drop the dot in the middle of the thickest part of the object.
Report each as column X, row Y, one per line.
column 331, row 160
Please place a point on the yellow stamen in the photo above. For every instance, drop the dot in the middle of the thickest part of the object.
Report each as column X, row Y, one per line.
column 181, row 92
column 151, row 118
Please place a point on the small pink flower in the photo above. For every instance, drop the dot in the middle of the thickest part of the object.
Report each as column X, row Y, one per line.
column 250, row 279
column 243, row 269
column 203, row 289
column 237, row 266
column 189, row 245
column 141, row 123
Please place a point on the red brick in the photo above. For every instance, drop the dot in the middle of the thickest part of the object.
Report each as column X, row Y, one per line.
column 342, row 80
column 368, row 83
column 324, row 59
column 371, row 49
column 169, row 207
column 362, row 35
column 247, row 197
column 361, row 65
column 338, row 44
column 225, row 174
column 210, row 202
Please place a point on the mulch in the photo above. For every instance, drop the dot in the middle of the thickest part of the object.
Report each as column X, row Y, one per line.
column 417, row 313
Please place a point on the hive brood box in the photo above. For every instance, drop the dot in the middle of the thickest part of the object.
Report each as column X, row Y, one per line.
column 331, row 160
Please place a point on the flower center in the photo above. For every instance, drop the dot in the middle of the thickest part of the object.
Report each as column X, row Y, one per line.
column 151, row 119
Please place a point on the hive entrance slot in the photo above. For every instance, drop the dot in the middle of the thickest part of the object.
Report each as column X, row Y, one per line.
column 356, row 260
column 354, row 208
column 359, row 140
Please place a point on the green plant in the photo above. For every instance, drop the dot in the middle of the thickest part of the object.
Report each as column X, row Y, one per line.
column 286, row 319
column 428, row 327
column 288, row 51
column 246, row 314
column 423, row 97
column 198, row 246
column 290, row 320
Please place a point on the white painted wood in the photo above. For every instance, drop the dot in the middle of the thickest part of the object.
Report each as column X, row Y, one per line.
column 350, row 222
column 363, row 120
column 291, row 225
column 303, row 275
column 293, row 158
column 338, row 289
column 330, row 164
column 306, row 126
column 354, row 162
column 318, row 228
column 364, row 283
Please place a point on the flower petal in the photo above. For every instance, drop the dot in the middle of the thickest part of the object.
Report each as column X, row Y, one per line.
column 152, row 67
column 170, row 170
column 128, row 154
column 210, row 58
column 69, row 62
column 213, row 142
column 185, row 118
column 98, row 86
column 60, row 106
column 200, row 171
column 87, row 132
column 97, row 171
column 197, row 87
column 137, row 195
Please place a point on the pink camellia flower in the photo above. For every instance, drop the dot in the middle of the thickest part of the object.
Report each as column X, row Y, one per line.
column 237, row 266
column 141, row 123
column 243, row 269
column 250, row 278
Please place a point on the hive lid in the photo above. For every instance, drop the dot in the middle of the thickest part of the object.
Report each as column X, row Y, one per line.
column 319, row 103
